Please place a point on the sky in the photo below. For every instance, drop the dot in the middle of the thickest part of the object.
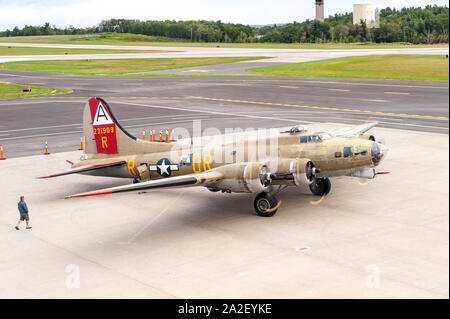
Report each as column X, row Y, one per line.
column 82, row 13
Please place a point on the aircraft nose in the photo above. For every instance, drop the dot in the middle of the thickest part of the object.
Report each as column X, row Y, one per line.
column 378, row 151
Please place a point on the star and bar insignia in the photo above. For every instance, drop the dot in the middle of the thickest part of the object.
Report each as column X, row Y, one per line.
column 164, row 167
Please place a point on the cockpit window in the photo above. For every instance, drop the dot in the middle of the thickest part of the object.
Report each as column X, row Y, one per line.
column 338, row 154
column 348, row 151
column 314, row 139
column 310, row 139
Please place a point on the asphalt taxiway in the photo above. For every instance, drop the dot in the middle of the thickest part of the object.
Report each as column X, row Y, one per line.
column 160, row 102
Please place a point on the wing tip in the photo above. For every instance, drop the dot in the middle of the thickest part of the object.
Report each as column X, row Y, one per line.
column 93, row 193
column 45, row 176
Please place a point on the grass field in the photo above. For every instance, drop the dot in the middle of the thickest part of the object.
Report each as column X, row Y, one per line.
column 116, row 67
column 13, row 91
column 395, row 67
column 10, row 51
column 144, row 40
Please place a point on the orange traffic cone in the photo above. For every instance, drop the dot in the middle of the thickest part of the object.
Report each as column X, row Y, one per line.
column 81, row 144
column 143, row 135
column 154, row 137
column 2, row 156
column 173, row 135
column 167, row 136
column 160, row 135
column 46, row 149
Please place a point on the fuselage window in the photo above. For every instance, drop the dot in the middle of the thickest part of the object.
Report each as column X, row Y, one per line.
column 303, row 139
column 348, row 152
column 363, row 153
column 338, row 154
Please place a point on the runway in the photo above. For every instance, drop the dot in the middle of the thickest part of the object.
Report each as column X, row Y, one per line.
column 276, row 55
column 386, row 238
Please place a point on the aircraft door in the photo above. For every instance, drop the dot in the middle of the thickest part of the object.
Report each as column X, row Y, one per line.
column 144, row 172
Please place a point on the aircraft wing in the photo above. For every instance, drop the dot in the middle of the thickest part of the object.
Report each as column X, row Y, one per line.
column 185, row 180
column 354, row 131
column 86, row 168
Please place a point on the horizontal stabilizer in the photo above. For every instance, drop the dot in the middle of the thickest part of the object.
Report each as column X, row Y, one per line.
column 86, row 168
column 354, row 131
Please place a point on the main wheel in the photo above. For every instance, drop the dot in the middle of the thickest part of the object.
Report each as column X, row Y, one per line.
column 320, row 186
column 266, row 205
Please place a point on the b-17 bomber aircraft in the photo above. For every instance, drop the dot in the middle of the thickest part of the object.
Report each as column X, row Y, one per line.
column 302, row 159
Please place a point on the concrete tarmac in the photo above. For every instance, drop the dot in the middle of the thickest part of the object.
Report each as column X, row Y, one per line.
column 386, row 238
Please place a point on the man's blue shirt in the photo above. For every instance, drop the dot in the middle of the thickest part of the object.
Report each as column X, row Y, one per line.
column 23, row 209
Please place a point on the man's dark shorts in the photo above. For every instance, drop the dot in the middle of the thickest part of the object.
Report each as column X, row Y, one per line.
column 24, row 217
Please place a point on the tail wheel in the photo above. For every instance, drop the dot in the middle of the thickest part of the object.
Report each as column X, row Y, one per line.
column 320, row 186
column 266, row 205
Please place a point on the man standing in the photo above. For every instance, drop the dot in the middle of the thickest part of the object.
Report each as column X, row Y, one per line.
column 23, row 210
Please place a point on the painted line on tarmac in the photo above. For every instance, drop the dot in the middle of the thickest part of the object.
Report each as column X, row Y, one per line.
column 398, row 93
column 238, row 78
column 39, row 128
column 267, row 103
column 356, row 84
column 185, row 117
column 326, row 108
column 140, row 125
column 211, row 112
column 339, row 90
column 40, row 135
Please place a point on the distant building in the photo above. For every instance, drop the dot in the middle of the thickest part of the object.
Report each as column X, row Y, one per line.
column 367, row 12
column 320, row 10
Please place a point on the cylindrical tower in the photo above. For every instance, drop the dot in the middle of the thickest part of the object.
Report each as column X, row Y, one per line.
column 364, row 11
column 320, row 12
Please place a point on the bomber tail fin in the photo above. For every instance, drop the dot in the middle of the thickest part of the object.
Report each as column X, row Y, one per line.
column 106, row 137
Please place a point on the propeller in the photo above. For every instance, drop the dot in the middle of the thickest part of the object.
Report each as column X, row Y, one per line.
column 265, row 176
column 311, row 171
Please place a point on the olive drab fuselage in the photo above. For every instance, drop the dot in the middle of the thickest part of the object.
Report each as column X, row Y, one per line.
column 331, row 154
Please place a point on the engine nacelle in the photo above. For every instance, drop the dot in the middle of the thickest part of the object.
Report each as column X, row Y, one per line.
column 242, row 178
column 256, row 177
column 301, row 170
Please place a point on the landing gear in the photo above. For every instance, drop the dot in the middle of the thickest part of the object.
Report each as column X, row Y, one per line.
column 320, row 186
column 266, row 205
